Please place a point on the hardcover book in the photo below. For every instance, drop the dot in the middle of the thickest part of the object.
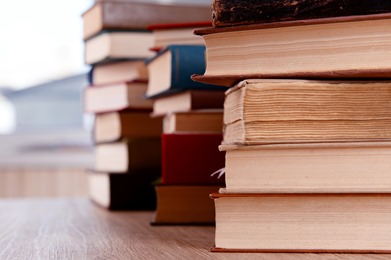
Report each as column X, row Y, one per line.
column 343, row 47
column 307, row 223
column 123, row 191
column 112, row 46
column 234, row 12
column 125, row 15
column 184, row 205
column 307, row 111
column 193, row 122
column 129, row 156
column 188, row 100
column 116, row 97
column 170, row 70
column 191, row 159
column 308, row 168
column 117, row 72
column 177, row 33
column 113, row 126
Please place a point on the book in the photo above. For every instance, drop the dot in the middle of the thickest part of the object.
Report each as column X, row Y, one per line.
column 342, row 47
column 113, row 126
column 308, row 168
column 193, row 122
column 117, row 72
column 123, row 191
column 299, row 111
column 184, row 205
column 177, row 33
column 129, row 156
column 188, row 100
column 116, row 97
column 310, row 223
column 125, row 15
column 171, row 68
column 233, row 13
column 116, row 46
column 191, row 159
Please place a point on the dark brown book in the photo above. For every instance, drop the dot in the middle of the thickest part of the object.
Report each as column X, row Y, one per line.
column 125, row 15
column 312, row 223
column 188, row 100
column 123, row 191
column 234, row 12
column 342, row 47
column 128, row 156
column 184, row 205
column 111, row 127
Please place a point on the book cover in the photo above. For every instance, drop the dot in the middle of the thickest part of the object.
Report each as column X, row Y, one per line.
column 191, row 158
column 184, row 205
column 233, row 12
column 188, row 100
column 117, row 97
column 177, row 33
column 124, row 15
column 170, row 70
column 113, row 126
column 128, row 156
column 281, row 50
column 123, row 191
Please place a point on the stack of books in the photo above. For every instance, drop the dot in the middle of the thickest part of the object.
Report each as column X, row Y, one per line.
column 192, row 130
column 307, row 126
column 128, row 143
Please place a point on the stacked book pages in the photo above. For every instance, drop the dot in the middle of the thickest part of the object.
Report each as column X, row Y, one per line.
column 127, row 138
column 307, row 125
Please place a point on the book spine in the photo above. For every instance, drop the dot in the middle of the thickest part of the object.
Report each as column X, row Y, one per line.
column 191, row 159
column 233, row 12
column 186, row 61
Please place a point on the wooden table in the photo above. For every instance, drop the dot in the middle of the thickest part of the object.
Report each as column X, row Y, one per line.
column 77, row 229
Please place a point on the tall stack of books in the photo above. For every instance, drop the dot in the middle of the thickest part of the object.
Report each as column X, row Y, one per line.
column 128, row 143
column 192, row 128
column 307, row 125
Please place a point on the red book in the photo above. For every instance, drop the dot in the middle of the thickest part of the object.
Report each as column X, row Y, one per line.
column 191, row 159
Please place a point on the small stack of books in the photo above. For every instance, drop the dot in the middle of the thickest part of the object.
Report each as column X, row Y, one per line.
column 307, row 125
column 128, row 143
column 192, row 131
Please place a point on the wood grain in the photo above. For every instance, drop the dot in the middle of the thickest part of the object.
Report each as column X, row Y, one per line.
column 77, row 229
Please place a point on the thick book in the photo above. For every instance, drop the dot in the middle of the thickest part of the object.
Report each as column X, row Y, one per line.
column 193, row 122
column 307, row 111
column 117, row 72
column 129, row 156
column 184, row 205
column 112, row 46
column 171, row 68
column 191, row 159
column 308, row 223
column 233, row 12
column 116, row 97
column 113, row 126
column 123, row 191
column 125, row 15
column 177, row 33
column 308, row 168
column 188, row 100
column 342, row 47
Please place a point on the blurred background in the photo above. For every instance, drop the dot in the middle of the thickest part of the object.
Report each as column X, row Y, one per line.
column 45, row 138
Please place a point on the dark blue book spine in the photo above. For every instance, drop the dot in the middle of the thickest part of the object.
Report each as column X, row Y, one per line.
column 186, row 61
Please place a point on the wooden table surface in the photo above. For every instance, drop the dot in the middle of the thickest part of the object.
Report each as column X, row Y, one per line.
column 77, row 229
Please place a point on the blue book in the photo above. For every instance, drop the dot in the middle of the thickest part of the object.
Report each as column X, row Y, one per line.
column 171, row 68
